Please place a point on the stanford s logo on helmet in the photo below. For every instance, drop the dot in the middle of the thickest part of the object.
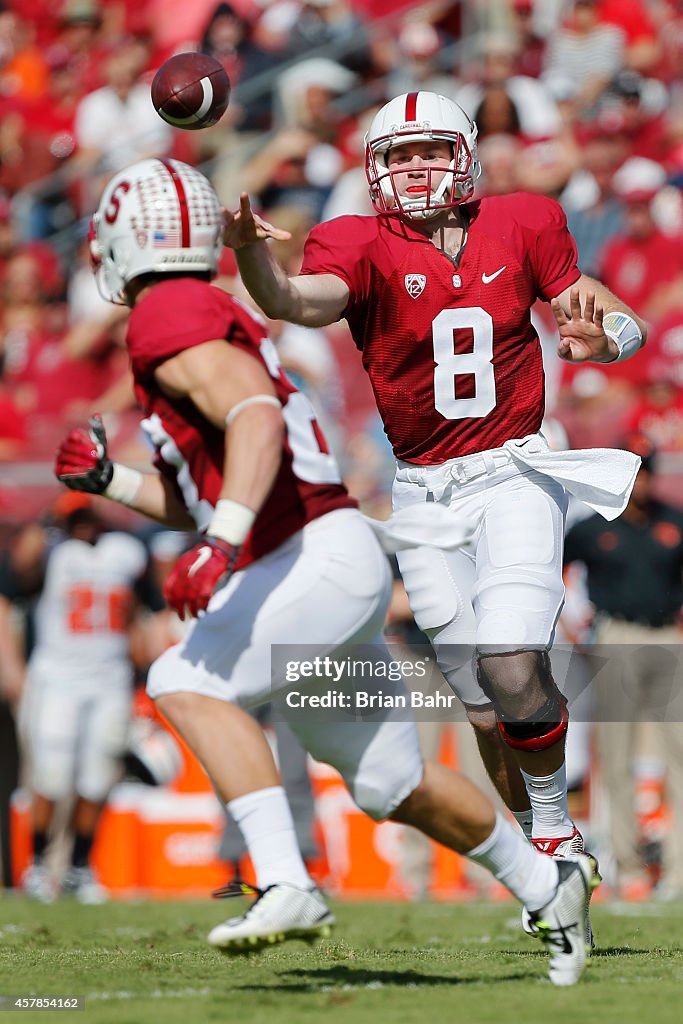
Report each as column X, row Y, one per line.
column 421, row 117
column 154, row 217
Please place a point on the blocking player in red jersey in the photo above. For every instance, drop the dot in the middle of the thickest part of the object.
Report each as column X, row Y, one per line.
column 437, row 290
column 285, row 558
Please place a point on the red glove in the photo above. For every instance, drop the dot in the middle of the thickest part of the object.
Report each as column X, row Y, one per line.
column 82, row 462
column 195, row 576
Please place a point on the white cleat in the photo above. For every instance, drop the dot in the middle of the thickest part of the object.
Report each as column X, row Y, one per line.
column 561, row 924
column 83, row 885
column 38, row 884
column 279, row 913
column 569, row 846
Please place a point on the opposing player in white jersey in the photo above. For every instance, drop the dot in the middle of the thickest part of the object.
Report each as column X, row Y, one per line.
column 285, row 558
column 437, row 290
column 76, row 706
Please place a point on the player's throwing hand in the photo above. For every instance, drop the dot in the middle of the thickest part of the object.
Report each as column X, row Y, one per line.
column 244, row 227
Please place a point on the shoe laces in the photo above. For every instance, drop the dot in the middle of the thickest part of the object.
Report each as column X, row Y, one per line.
column 556, row 936
column 244, row 889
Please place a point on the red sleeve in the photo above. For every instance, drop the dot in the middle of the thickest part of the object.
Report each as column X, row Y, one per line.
column 553, row 251
column 173, row 316
column 337, row 247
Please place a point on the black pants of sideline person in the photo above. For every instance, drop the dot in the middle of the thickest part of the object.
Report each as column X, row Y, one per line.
column 9, row 779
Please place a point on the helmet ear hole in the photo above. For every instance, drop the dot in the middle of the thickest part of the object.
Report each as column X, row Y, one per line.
column 110, row 280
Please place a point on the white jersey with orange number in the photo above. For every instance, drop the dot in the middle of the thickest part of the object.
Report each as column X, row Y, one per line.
column 83, row 614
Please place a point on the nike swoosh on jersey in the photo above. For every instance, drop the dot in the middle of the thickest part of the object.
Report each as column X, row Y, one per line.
column 487, row 278
column 203, row 556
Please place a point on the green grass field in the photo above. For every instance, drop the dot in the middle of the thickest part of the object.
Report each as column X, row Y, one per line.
column 148, row 962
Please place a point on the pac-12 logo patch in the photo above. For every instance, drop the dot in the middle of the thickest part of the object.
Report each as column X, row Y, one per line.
column 415, row 284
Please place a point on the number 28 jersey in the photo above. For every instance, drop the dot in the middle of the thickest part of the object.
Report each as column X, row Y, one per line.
column 454, row 361
column 190, row 451
column 84, row 611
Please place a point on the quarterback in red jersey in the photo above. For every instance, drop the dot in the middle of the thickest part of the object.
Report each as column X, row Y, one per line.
column 285, row 558
column 437, row 290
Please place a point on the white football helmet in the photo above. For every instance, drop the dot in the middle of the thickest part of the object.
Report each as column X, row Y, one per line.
column 421, row 117
column 156, row 216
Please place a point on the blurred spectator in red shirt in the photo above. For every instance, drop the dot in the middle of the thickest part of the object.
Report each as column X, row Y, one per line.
column 642, row 47
column 13, row 427
column 43, row 379
column 664, row 348
column 668, row 15
column 81, row 32
column 659, row 414
column 532, row 47
column 636, row 107
column 642, row 265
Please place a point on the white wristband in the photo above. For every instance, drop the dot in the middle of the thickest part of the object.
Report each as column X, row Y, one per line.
column 124, row 484
column 625, row 332
column 231, row 521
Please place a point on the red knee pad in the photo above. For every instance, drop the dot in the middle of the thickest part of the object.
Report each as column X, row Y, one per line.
column 546, row 738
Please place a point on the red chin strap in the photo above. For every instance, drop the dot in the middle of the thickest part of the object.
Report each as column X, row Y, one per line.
column 535, row 743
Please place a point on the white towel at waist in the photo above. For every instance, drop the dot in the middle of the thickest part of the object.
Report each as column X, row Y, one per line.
column 601, row 477
column 430, row 525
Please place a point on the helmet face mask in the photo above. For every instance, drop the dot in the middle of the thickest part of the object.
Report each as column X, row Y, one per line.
column 154, row 217
column 421, row 117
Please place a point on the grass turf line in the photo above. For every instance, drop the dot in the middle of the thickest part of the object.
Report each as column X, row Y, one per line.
column 139, row 963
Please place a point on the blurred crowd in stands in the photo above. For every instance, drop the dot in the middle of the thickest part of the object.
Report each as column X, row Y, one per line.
column 581, row 100
column 578, row 99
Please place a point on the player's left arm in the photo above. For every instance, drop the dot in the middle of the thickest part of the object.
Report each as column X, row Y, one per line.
column 595, row 325
column 217, row 378
column 234, row 392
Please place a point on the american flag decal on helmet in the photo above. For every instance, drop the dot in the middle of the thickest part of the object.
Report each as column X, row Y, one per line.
column 169, row 239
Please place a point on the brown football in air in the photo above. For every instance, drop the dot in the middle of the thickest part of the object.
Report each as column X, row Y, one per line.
column 191, row 91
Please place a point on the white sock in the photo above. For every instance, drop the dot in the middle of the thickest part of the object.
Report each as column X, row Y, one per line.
column 525, row 820
column 529, row 875
column 265, row 821
column 548, row 799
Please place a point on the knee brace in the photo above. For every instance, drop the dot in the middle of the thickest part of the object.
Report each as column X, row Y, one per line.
column 540, row 730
